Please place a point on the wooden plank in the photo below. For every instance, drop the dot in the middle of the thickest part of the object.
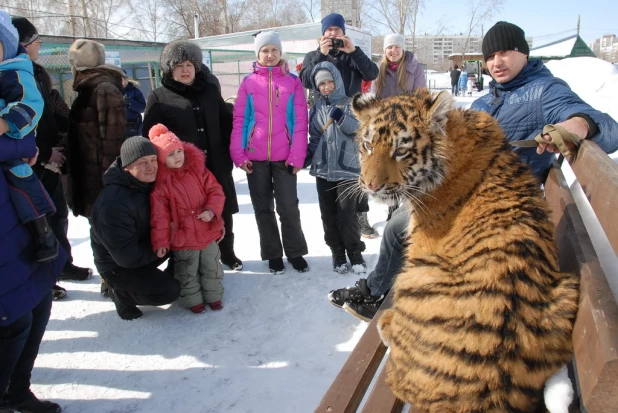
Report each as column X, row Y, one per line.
column 382, row 398
column 350, row 385
column 597, row 174
column 595, row 335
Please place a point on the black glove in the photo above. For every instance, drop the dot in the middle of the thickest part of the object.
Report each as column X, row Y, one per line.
column 127, row 100
column 336, row 114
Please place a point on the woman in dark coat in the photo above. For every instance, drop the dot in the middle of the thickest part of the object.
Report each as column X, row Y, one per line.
column 98, row 121
column 189, row 103
column 135, row 103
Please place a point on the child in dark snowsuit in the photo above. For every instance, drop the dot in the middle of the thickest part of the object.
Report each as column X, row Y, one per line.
column 333, row 156
column 21, row 106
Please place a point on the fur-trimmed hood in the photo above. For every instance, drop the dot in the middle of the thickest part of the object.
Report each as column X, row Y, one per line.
column 195, row 161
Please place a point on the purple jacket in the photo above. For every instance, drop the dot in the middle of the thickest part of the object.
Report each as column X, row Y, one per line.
column 23, row 282
column 270, row 118
column 416, row 78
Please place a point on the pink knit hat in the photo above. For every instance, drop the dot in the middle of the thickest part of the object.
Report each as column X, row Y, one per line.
column 165, row 141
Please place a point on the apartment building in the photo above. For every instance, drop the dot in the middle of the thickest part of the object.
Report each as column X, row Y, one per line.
column 606, row 47
column 349, row 9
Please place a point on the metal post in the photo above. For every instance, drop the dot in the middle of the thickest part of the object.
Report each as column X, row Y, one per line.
column 196, row 26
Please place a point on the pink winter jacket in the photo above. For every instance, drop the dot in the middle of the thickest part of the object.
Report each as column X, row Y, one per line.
column 270, row 118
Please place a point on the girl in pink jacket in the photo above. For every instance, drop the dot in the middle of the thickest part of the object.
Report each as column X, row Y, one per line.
column 269, row 142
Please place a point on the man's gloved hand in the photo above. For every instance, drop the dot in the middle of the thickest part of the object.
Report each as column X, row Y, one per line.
column 127, row 100
column 336, row 114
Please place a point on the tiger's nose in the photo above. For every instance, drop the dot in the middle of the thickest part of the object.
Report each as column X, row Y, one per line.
column 374, row 187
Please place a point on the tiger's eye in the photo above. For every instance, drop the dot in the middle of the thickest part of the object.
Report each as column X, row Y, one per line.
column 368, row 146
column 400, row 152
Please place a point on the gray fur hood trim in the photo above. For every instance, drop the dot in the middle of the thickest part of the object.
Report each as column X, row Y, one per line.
column 179, row 51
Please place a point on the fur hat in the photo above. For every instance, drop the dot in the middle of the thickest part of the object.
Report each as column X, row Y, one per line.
column 322, row 75
column 134, row 148
column 264, row 38
column 27, row 32
column 164, row 140
column 86, row 54
column 394, row 39
column 504, row 36
column 179, row 51
column 333, row 19
column 8, row 36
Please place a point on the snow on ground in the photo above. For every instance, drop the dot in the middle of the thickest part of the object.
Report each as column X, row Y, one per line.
column 276, row 346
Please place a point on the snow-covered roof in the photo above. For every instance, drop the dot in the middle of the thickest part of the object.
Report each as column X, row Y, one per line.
column 559, row 48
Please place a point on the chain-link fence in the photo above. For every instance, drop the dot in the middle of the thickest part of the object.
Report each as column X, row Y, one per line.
column 142, row 64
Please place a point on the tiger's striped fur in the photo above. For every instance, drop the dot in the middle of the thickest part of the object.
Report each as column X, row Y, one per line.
column 482, row 316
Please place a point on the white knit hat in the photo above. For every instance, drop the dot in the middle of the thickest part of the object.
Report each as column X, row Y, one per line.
column 264, row 38
column 394, row 39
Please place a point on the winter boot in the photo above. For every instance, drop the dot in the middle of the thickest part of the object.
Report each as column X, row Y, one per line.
column 198, row 308
column 44, row 240
column 216, row 306
column 126, row 311
column 355, row 294
column 58, row 292
column 340, row 263
column 364, row 310
column 276, row 266
column 31, row 404
column 299, row 264
column 231, row 260
column 366, row 230
column 73, row 272
column 357, row 262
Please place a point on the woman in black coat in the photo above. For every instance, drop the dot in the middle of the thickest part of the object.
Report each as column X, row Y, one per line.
column 189, row 103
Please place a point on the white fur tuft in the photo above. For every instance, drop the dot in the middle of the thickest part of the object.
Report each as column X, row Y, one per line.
column 367, row 98
column 559, row 392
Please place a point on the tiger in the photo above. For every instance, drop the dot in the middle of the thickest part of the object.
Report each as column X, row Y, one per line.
column 481, row 315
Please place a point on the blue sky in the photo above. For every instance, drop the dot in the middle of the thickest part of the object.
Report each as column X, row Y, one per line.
column 544, row 20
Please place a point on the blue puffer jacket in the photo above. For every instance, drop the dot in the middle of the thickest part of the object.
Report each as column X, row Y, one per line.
column 333, row 155
column 533, row 99
column 135, row 108
column 23, row 283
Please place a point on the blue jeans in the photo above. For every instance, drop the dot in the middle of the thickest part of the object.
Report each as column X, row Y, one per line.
column 19, row 347
column 392, row 247
column 455, row 90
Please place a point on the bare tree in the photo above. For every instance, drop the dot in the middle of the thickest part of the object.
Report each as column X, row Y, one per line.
column 479, row 12
column 312, row 9
column 395, row 15
column 150, row 17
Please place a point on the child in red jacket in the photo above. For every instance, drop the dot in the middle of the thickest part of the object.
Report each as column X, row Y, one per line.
column 187, row 202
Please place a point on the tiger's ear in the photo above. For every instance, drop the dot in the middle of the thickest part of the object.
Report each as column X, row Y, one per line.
column 441, row 105
column 365, row 106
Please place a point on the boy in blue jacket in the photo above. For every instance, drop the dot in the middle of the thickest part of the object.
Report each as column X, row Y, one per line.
column 21, row 106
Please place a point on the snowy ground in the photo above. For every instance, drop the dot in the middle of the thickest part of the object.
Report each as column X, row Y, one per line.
column 276, row 346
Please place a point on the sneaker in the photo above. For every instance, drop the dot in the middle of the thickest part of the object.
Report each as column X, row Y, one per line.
column 216, row 306
column 104, row 288
column 32, row 405
column 73, row 272
column 276, row 266
column 58, row 292
column 365, row 309
column 198, row 308
column 340, row 262
column 366, row 230
column 232, row 261
column 125, row 310
column 357, row 262
column 299, row 264
column 358, row 293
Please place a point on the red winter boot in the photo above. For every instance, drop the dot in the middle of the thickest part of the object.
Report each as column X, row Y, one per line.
column 216, row 306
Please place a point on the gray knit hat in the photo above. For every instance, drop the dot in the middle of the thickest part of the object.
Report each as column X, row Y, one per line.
column 134, row 148
column 322, row 75
column 394, row 39
column 504, row 36
column 179, row 51
column 86, row 54
column 264, row 38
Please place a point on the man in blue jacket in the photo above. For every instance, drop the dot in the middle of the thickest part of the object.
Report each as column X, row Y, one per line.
column 524, row 97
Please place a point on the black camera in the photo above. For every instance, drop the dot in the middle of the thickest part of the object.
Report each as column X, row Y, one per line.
column 337, row 44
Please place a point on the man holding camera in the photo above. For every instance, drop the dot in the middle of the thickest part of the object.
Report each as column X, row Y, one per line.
column 354, row 66
column 337, row 48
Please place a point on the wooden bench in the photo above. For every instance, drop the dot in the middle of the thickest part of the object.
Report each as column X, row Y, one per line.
column 594, row 370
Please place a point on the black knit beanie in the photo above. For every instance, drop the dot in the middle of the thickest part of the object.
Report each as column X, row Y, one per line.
column 27, row 32
column 504, row 36
column 134, row 148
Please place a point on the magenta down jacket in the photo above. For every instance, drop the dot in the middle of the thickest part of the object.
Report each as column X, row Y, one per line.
column 270, row 118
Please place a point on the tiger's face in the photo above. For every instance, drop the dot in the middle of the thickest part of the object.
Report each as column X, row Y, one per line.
column 401, row 142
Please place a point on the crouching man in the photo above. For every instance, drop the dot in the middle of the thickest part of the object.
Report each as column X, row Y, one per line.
column 120, row 233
